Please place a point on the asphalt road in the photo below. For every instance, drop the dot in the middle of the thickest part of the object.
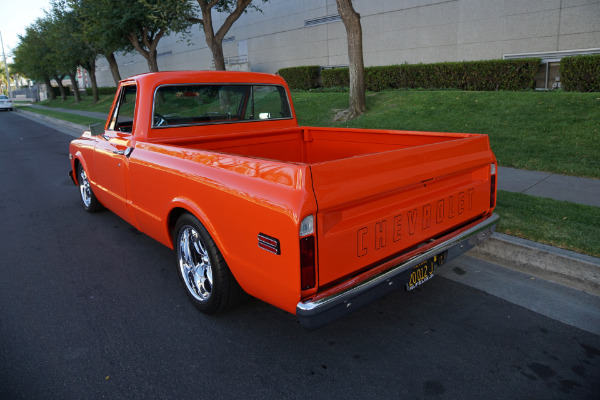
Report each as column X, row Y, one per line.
column 92, row 309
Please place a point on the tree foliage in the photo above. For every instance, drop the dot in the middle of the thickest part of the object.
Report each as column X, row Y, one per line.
column 33, row 56
column 3, row 75
column 234, row 9
column 142, row 23
column 75, row 32
column 70, row 50
column 98, row 31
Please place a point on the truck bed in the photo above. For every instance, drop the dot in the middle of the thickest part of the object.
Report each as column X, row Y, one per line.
column 379, row 193
column 316, row 145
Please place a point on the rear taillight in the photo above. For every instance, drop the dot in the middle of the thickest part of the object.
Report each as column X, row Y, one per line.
column 493, row 177
column 308, row 270
column 307, row 262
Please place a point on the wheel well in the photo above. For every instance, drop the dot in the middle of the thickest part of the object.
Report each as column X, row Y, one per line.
column 173, row 217
column 76, row 164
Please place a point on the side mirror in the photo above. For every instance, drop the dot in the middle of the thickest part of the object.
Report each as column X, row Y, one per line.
column 97, row 129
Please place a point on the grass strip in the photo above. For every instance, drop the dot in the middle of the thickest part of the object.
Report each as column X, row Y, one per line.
column 561, row 224
column 76, row 119
column 86, row 103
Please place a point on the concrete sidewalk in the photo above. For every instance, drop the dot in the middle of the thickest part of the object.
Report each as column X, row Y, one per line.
column 544, row 184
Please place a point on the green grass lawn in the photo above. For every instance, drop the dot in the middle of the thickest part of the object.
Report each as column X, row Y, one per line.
column 562, row 224
column 86, row 104
column 76, row 119
column 557, row 132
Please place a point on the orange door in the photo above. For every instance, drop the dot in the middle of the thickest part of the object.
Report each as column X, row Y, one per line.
column 111, row 165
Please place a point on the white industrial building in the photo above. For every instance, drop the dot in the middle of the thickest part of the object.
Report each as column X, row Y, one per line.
column 309, row 32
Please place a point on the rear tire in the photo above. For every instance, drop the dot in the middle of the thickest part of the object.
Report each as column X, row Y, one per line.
column 209, row 283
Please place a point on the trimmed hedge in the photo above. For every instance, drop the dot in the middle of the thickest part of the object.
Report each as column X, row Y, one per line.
column 580, row 73
column 337, row 77
column 304, row 78
column 469, row 75
column 101, row 91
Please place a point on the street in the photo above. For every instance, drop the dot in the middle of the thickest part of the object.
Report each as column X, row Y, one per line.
column 91, row 308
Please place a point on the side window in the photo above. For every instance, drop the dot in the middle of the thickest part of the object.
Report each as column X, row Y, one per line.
column 123, row 114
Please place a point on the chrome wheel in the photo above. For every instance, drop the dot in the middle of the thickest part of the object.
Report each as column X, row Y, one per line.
column 90, row 203
column 194, row 264
column 208, row 281
column 84, row 189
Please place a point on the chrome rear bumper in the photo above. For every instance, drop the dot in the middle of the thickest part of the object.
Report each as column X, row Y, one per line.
column 347, row 297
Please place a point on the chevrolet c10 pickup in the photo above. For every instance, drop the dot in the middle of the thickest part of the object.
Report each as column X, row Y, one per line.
column 316, row 221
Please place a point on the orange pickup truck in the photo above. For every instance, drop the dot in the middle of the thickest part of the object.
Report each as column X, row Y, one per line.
column 315, row 221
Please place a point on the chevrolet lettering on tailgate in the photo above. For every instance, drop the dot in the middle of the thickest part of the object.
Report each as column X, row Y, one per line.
column 412, row 221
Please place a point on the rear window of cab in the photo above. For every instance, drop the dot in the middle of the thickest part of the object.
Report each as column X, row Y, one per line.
column 185, row 105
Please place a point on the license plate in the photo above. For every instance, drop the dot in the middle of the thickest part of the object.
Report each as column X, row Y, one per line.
column 420, row 274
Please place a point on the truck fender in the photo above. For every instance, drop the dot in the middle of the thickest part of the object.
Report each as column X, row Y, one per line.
column 78, row 159
column 182, row 205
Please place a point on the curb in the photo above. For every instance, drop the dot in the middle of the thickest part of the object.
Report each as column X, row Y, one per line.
column 76, row 129
column 565, row 267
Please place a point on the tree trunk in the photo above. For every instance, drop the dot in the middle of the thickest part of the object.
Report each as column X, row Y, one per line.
column 152, row 62
column 351, row 21
column 215, row 41
column 61, row 88
column 75, row 86
column 50, row 90
column 218, row 57
column 91, row 68
column 150, row 57
column 147, row 47
column 114, row 67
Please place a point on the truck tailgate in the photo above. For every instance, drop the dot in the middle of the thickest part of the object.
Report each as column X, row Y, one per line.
column 375, row 206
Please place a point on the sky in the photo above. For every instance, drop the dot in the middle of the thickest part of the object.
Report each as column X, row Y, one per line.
column 15, row 17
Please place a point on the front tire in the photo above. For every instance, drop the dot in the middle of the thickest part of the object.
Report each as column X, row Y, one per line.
column 88, row 198
column 202, row 269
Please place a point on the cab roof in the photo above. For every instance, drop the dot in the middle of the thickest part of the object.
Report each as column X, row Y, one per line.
column 189, row 77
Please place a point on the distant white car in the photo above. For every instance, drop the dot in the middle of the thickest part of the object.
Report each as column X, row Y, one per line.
column 5, row 103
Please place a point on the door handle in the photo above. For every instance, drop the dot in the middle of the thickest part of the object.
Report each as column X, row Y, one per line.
column 127, row 152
